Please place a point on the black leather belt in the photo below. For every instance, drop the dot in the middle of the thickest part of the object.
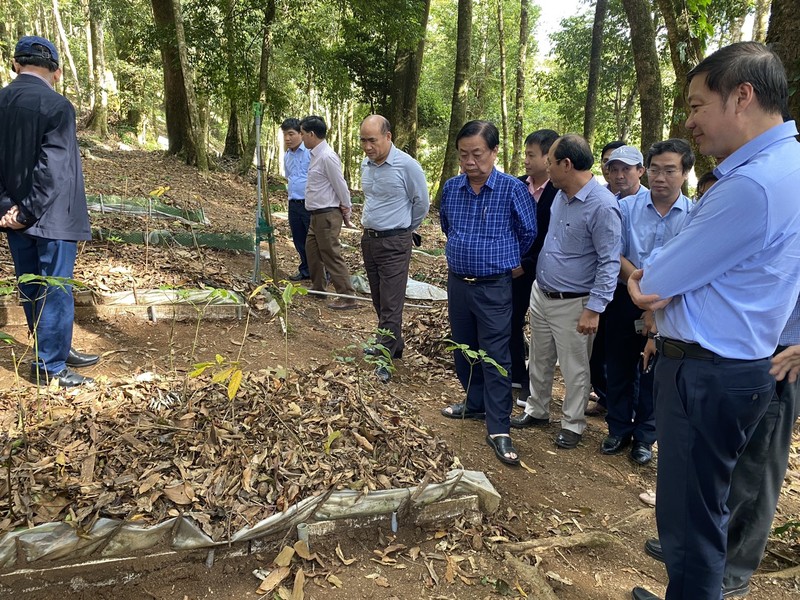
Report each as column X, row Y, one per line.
column 321, row 211
column 297, row 199
column 374, row 233
column 563, row 295
column 476, row 279
column 680, row 350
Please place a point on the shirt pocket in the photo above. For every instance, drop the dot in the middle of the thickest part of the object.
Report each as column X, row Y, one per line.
column 495, row 223
column 573, row 240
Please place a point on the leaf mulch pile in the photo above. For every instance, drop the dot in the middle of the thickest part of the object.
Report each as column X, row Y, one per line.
column 153, row 448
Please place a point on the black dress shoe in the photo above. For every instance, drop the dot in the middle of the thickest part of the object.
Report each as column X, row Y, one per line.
column 639, row 593
column 614, row 444
column 372, row 351
column 66, row 378
column 653, row 548
column 641, row 453
column 525, row 420
column 567, row 439
column 298, row 277
column 383, row 374
column 78, row 360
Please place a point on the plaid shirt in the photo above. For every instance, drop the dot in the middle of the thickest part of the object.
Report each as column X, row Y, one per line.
column 488, row 232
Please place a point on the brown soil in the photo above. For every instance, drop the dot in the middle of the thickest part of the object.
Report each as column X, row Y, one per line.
column 558, row 493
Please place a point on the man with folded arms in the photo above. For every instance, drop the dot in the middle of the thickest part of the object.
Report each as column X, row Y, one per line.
column 722, row 289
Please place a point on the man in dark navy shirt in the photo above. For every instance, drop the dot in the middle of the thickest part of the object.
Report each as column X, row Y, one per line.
column 43, row 204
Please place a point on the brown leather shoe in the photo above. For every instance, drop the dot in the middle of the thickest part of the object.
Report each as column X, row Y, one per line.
column 343, row 304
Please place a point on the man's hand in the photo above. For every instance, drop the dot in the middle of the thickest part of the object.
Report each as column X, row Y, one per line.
column 648, row 354
column 9, row 220
column 588, row 322
column 517, row 272
column 346, row 212
column 645, row 302
column 649, row 319
column 787, row 362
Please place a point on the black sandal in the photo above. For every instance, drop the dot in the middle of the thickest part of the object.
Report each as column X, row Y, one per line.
column 459, row 411
column 502, row 445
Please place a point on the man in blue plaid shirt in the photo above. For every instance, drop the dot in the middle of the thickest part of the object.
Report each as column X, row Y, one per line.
column 490, row 223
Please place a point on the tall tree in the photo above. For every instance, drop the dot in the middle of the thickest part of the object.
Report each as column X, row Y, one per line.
column 519, row 94
column 594, row 71
column 760, row 20
column 648, row 74
column 195, row 127
column 458, row 107
column 686, row 48
column 501, row 34
column 98, row 121
column 405, row 83
column 62, row 34
column 263, row 80
column 784, row 35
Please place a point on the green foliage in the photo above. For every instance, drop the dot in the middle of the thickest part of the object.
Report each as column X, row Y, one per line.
column 226, row 373
column 475, row 357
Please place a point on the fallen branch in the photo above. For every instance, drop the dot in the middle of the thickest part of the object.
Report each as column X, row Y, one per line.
column 591, row 539
column 531, row 577
column 784, row 574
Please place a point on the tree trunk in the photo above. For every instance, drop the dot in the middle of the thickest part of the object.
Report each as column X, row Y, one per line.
column 98, row 121
column 458, row 109
column 595, row 64
column 519, row 98
column 648, row 76
column 686, row 51
column 760, row 21
column 233, row 138
column 263, row 78
column 501, row 33
column 784, row 34
column 175, row 104
column 65, row 46
column 195, row 126
column 405, row 86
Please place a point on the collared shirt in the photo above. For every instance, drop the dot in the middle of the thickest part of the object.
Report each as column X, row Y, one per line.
column 325, row 187
column 32, row 74
column 643, row 227
column 642, row 191
column 488, row 232
column 536, row 191
column 790, row 336
column 582, row 248
column 734, row 269
column 295, row 164
column 395, row 192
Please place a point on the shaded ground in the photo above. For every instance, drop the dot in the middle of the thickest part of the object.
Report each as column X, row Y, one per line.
column 558, row 493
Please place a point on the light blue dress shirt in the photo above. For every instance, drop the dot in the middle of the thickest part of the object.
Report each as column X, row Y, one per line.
column 295, row 165
column 582, row 247
column 643, row 227
column 395, row 192
column 733, row 270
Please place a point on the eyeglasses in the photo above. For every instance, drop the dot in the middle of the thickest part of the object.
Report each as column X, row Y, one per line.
column 655, row 172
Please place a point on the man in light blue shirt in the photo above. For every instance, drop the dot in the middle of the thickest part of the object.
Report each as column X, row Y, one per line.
column 723, row 290
column 395, row 202
column 295, row 164
column 575, row 279
column 649, row 220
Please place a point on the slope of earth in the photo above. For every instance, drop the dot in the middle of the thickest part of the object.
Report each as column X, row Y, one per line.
column 585, row 503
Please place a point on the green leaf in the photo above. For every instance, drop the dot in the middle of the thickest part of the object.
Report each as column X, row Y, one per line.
column 234, row 384
column 331, row 438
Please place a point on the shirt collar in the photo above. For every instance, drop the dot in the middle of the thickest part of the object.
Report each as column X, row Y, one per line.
column 754, row 146
column 680, row 204
column 390, row 158
column 37, row 77
column 300, row 148
column 584, row 192
column 489, row 183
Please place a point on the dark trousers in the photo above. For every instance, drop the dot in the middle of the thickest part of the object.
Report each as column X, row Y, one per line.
column 629, row 391
column 756, row 485
column 480, row 317
column 520, row 305
column 299, row 222
column 49, row 309
column 386, row 261
column 597, row 361
column 706, row 411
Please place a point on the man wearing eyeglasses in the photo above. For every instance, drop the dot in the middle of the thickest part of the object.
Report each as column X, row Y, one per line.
column 649, row 220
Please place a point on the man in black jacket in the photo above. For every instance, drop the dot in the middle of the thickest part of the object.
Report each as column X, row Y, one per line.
column 537, row 145
column 43, row 204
